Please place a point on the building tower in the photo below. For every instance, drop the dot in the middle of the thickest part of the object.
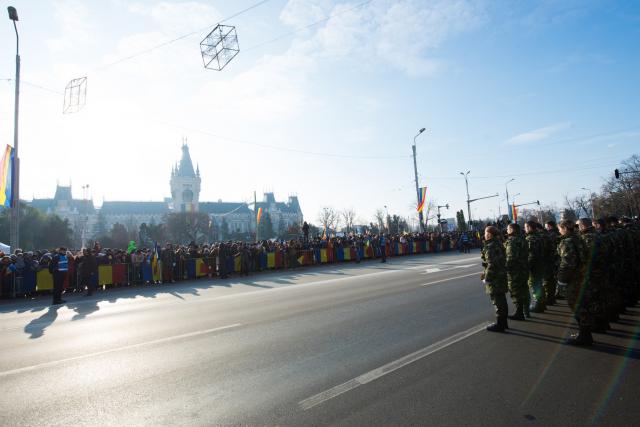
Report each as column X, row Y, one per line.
column 185, row 184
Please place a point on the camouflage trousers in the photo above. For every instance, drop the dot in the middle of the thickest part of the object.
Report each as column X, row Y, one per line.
column 585, row 302
column 518, row 288
column 499, row 300
column 537, row 291
column 549, row 284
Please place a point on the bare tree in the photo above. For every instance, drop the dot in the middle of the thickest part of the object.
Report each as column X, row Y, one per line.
column 328, row 218
column 348, row 215
column 380, row 216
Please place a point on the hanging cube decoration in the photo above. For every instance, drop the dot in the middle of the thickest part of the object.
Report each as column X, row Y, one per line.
column 219, row 47
column 75, row 95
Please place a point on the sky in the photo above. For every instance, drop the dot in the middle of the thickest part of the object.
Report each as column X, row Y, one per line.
column 325, row 98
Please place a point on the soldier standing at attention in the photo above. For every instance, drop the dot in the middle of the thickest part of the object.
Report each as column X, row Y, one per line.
column 594, row 275
column 495, row 277
column 517, row 270
column 551, row 271
column 570, row 275
column 536, row 267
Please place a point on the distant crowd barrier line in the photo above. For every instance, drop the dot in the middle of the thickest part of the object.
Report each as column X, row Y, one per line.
column 30, row 281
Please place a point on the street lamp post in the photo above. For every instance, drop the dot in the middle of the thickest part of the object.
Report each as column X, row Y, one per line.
column 386, row 210
column 15, row 176
column 466, row 181
column 506, row 189
column 439, row 222
column 415, row 171
column 593, row 208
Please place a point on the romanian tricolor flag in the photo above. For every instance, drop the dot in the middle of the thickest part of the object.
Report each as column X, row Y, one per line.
column 6, row 171
column 514, row 212
column 258, row 215
column 422, row 197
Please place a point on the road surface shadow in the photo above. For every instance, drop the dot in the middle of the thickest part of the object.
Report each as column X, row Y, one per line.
column 615, row 350
column 37, row 327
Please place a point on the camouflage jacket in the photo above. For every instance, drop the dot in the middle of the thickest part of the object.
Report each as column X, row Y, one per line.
column 570, row 252
column 551, row 255
column 495, row 271
column 517, row 255
column 536, row 246
column 594, row 256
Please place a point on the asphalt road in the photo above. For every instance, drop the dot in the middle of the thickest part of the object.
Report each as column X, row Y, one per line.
column 371, row 344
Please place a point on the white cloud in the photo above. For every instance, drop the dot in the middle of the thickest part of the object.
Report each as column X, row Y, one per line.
column 179, row 16
column 538, row 135
column 299, row 13
column 400, row 34
column 75, row 25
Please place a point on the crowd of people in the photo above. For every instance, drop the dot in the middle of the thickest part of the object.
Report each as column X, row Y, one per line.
column 77, row 270
column 593, row 263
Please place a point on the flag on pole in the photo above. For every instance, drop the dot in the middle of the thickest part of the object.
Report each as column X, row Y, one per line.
column 258, row 215
column 155, row 263
column 513, row 212
column 422, row 197
column 6, row 171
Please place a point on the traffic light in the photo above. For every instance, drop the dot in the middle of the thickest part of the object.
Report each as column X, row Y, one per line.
column 617, row 173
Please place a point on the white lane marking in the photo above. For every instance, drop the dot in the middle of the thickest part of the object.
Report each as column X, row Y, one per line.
column 464, row 266
column 387, row 369
column 114, row 350
column 436, row 269
column 452, row 278
column 431, row 261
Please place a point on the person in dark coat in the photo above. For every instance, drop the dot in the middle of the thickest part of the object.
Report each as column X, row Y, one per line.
column 59, row 267
column 88, row 271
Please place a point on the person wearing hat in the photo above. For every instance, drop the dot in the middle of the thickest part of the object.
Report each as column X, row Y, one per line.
column 58, row 267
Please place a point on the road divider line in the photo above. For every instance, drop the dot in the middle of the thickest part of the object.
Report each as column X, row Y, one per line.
column 452, row 278
column 114, row 350
column 373, row 375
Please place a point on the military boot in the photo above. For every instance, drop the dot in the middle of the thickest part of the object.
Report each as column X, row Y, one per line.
column 538, row 307
column 601, row 325
column 583, row 338
column 499, row 326
column 519, row 314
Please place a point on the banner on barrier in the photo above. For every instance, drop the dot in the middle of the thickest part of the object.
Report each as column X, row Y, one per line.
column 44, row 280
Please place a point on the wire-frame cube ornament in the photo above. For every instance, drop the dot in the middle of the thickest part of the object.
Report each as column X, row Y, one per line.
column 75, row 95
column 219, row 47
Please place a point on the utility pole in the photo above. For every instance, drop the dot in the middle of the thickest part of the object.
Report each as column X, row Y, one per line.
column 415, row 171
column 506, row 189
column 466, row 181
column 255, row 212
column 15, row 178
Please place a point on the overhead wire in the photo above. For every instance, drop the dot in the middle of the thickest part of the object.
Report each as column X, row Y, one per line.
column 174, row 40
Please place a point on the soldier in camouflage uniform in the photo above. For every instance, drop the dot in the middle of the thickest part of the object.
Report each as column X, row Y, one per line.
column 595, row 274
column 628, row 267
column 551, row 263
column 535, row 246
column 634, row 259
column 495, row 277
column 611, row 296
column 570, row 276
column 517, row 265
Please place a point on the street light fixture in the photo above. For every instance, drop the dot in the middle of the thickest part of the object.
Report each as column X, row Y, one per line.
column 415, row 171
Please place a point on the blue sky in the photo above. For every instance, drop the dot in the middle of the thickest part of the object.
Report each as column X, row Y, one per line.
column 544, row 92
